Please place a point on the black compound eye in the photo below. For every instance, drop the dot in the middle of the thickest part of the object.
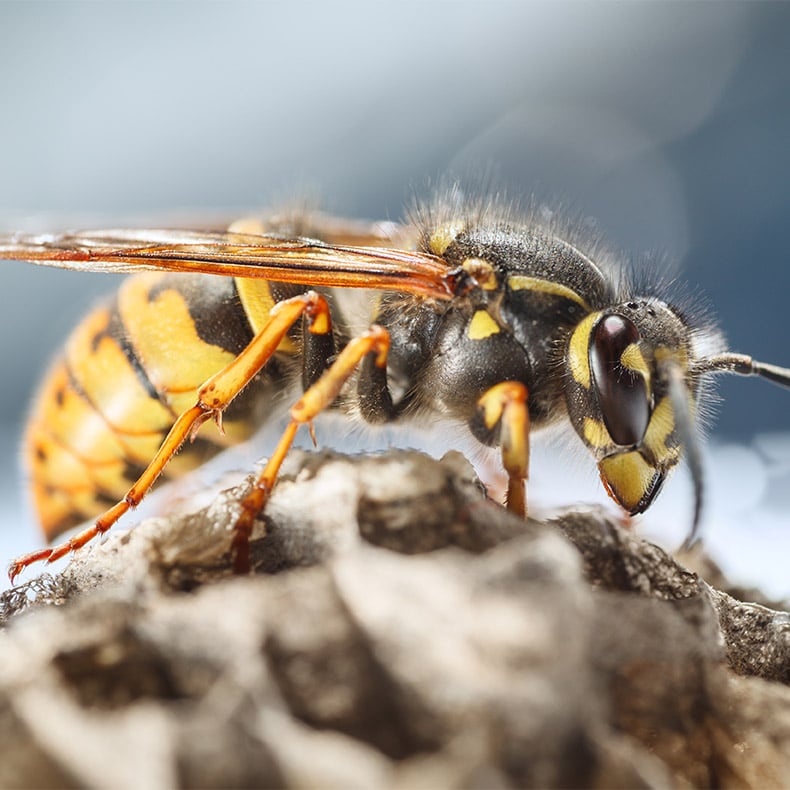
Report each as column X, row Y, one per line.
column 622, row 391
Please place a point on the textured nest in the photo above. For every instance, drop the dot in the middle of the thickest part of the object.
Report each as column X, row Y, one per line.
column 400, row 630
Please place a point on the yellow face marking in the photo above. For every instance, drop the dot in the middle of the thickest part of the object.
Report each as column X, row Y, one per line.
column 661, row 426
column 520, row 282
column 481, row 326
column 443, row 237
column 595, row 434
column 662, row 422
column 482, row 271
column 632, row 359
column 627, row 477
column 578, row 351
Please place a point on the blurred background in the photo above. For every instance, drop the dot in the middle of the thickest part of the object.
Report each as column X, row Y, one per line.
column 666, row 124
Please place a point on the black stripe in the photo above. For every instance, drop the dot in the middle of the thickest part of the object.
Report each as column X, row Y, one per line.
column 117, row 332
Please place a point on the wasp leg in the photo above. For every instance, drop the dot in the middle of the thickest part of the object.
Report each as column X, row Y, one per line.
column 318, row 397
column 213, row 398
column 373, row 393
column 318, row 348
column 506, row 405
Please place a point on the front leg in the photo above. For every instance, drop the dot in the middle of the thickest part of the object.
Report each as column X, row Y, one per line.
column 503, row 409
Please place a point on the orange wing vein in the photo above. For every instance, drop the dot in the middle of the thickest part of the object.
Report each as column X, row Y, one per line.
column 295, row 260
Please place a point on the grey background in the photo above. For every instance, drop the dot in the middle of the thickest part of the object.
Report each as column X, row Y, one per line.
column 667, row 123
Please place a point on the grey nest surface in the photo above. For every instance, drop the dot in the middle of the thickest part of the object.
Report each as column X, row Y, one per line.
column 399, row 630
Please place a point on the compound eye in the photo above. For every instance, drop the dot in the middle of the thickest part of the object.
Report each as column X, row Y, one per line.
column 621, row 387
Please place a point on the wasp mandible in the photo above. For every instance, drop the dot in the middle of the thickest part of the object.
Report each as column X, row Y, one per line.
column 481, row 313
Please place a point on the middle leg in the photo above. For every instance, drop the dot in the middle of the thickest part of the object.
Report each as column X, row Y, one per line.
column 319, row 396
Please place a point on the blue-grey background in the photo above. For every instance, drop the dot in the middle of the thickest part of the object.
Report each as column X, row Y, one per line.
column 668, row 123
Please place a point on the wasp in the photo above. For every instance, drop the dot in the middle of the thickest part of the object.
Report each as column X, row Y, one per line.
column 480, row 313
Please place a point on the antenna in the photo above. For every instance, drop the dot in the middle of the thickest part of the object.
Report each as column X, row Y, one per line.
column 743, row 365
column 727, row 362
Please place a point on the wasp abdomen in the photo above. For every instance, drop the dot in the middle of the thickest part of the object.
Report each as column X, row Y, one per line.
column 129, row 369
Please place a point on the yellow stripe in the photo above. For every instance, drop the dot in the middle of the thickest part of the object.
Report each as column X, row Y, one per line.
column 578, row 350
column 164, row 336
column 257, row 300
column 443, row 237
column 595, row 434
column 102, row 371
column 520, row 282
column 632, row 359
column 481, row 326
column 75, row 423
column 662, row 424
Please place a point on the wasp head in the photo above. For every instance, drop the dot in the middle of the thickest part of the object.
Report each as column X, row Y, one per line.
column 631, row 395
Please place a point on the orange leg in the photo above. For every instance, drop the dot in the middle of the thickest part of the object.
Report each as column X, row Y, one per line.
column 506, row 403
column 318, row 397
column 213, row 398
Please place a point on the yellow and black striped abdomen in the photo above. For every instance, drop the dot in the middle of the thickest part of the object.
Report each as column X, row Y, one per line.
column 127, row 372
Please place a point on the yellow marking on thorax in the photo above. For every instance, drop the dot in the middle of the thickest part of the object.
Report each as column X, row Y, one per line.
column 521, row 282
column 482, row 272
column 444, row 236
column 578, row 351
column 481, row 326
